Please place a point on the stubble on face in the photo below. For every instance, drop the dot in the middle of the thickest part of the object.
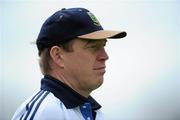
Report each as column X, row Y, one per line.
column 81, row 66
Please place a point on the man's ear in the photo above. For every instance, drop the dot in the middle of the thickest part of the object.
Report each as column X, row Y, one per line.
column 56, row 54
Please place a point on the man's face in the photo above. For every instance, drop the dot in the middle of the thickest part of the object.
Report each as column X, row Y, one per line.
column 85, row 66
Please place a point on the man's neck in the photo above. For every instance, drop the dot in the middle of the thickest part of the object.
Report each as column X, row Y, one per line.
column 70, row 83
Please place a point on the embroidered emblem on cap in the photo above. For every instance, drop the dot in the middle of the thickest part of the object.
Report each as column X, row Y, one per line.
column 94, row 19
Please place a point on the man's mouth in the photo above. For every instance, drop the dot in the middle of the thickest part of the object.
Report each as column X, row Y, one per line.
column 100, row 68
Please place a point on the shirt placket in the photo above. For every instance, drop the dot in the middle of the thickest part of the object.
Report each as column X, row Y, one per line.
column 86, row 111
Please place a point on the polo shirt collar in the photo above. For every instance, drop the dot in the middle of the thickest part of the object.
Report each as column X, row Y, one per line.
column 67, row 95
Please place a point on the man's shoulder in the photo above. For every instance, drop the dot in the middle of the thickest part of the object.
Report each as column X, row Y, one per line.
column 42, row 104
column 51, row 103
column 50, row 108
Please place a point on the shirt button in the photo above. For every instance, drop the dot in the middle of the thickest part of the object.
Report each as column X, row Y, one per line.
column 84, row 106
column 88, row 118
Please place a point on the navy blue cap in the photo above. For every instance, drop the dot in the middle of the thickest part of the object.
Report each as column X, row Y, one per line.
column 67, row 24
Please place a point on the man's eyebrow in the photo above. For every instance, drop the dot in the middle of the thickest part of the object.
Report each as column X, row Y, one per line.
column 94, row 42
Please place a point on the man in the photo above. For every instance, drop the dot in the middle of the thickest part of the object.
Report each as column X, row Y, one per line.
column 72, row 59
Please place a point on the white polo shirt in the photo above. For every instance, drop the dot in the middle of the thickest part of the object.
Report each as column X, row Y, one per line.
column 57, row 101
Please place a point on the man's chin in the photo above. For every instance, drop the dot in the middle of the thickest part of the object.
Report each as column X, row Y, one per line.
column 99, row 82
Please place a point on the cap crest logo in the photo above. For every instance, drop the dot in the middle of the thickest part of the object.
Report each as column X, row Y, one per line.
column 94, row 19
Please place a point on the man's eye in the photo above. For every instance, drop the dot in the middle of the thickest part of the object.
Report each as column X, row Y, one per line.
column 96, row 47
column 93, row 46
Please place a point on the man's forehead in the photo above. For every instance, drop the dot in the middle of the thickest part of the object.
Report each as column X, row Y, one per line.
column 95, row 41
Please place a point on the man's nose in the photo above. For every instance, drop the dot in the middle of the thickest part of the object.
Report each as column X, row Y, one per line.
column 102, row 56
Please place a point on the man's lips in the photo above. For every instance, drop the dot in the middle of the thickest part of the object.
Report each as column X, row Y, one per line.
column 100, row 68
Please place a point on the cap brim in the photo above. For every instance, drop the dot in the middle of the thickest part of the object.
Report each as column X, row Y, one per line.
column 104, row 34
